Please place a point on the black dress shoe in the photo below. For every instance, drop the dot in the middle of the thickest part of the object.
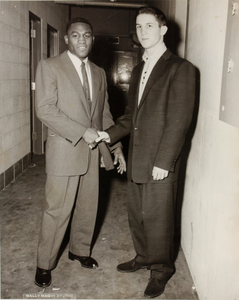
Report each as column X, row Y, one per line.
column 43, row 277
column 86, row 261
column 131, row 266
column 155, row 287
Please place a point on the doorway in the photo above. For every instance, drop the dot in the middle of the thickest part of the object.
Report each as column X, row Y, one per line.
column 38, row 129
column 52, row 41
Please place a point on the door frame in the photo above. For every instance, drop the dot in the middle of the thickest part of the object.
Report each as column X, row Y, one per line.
column 35, row 57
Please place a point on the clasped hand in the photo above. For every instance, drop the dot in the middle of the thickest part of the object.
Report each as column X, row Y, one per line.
column 90, row 136
column 102, row 136
column 93, row 138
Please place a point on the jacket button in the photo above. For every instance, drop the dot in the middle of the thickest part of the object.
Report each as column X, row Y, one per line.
column 136, row 128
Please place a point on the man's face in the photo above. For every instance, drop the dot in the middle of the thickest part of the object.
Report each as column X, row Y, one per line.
column 79, row 39
column 148, row 31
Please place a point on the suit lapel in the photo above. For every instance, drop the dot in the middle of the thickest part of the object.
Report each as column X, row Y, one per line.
column 95, row 86
column 136, row 85
column 157, row 71
column 73, row 76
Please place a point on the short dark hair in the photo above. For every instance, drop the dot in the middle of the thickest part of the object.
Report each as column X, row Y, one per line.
column 78, row 20
column 151, row 10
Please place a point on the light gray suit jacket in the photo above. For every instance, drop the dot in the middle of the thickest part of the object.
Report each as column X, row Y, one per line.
column 61, row 105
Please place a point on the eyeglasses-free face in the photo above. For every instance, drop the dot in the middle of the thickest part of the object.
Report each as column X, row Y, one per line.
column 149, row 32
column 79, row 40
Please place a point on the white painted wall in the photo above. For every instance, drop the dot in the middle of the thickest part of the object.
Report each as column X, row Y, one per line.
column 210, row 215
column 181, row 20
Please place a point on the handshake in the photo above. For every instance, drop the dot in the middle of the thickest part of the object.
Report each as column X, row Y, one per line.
column 93, row 137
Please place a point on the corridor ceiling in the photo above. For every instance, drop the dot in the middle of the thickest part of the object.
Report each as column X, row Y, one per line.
column 107, row 3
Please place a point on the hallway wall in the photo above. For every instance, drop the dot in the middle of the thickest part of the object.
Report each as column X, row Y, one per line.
column 15, row 143
column 176, row 14
column 210, row 215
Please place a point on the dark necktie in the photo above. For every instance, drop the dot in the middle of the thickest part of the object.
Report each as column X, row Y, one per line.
column 86, row 86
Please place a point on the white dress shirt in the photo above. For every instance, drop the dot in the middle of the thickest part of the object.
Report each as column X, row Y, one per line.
column 150, row 62
column 77, row 64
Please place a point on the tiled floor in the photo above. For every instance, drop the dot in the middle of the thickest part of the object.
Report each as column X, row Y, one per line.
column 21, row 204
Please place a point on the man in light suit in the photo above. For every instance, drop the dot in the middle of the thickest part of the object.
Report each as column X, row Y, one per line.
column 72, row 101
column 160, row 108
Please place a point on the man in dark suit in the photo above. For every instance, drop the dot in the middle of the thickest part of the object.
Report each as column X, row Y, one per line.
column 72, row 101
column 160, row 107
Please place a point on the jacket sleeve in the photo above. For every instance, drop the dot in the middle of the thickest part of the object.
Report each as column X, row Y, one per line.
column 122, row 126
column 48, row 111
column 181, row 100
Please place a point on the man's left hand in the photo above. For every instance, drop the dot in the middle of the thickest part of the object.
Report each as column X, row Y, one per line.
column 159, row 174
column 119, row 158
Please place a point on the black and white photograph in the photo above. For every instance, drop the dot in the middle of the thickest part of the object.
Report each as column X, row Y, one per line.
column 119, row 149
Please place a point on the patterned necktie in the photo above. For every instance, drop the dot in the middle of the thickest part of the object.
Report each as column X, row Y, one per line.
column 86, row 86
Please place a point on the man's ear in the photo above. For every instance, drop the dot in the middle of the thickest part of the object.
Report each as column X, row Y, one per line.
column 66, row 39
column 164, row 29
column 93, row 40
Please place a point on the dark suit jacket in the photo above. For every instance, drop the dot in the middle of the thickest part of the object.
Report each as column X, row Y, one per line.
column 61, row 105
column 158, row 126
